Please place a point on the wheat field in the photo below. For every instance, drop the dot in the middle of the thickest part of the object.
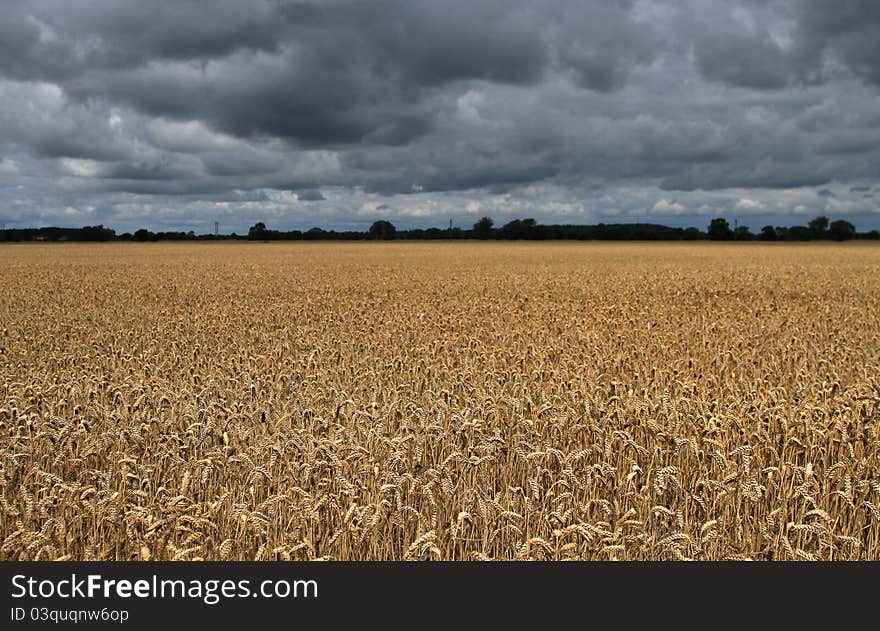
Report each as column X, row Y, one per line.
column 473, row 401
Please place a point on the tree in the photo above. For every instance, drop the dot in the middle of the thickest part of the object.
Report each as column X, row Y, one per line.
column 521, row 229
column 97, row 233
column 768, row 233
column 383, row 230
column 719, row 230
column 483, row 228
column 143, row 235
column 818, row 227
column 841, row 230
column 798, row 233
column 314, row 234
column 742, row 233
column 257, row 231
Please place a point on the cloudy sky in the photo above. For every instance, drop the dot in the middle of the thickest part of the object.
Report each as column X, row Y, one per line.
column 176, row 114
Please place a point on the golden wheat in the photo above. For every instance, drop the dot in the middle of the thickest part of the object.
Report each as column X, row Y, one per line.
column 439, row 401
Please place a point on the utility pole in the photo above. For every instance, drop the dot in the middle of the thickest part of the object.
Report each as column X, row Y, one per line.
column 216, row 228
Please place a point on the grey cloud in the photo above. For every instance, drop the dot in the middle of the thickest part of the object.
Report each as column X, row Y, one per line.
column 751, row 60
column 810, row 42
column 310, row 195
column 143, row 171
column 55, row 38
column 109, row 104
column 602, row 46
column 245, row 163
column 435, row 43
column 39, row 117
column 848, row 30
column 762, row 175
column 25, row 52
column 331, row 73
column 235, row 196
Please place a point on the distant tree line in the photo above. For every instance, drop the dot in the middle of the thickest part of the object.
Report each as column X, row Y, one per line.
column 518, row 229
column 100, row 233
column 818, row 229
column 86, row 233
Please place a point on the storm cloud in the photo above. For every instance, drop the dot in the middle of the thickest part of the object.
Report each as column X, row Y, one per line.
column 175, row 114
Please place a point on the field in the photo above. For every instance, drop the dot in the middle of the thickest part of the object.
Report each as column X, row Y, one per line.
column 440, row 401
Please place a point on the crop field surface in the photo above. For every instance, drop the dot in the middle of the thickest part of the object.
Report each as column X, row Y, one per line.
column 474, row 401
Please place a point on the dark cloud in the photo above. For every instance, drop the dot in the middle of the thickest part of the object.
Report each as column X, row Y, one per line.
column 238, row 196
column 750, row 60
column 26, row 50
column 848, row 31
column 142, row 171
column 599, row 46
column 774, row 176
column 310, row 195
column 435, row 43
column 141, row 107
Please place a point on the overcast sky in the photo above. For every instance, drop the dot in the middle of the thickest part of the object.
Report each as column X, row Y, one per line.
column 176, row 114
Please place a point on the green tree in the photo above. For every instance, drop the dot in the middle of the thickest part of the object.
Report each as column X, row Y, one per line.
column 483, row 228
column 315, row 234
column 143, row 235
column 382, row 230
column 818, row 227
column 521, row 229
column 768, row 233
column 97, row 233
column 719, row 230
column 742, row 233
column 841, row 230
column 258, row 231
